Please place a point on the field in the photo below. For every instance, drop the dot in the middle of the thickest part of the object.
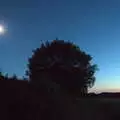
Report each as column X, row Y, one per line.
column 20, row 102
column 97, row 109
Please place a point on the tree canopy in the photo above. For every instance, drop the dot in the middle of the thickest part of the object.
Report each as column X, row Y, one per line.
column 64, row 64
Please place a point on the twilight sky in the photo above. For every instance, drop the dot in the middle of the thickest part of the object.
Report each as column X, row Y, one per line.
column 92, row 24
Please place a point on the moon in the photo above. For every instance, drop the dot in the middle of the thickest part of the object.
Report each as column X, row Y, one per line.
column 2, row 29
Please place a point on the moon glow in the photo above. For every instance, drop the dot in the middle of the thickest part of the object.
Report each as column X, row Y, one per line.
column 2, row 29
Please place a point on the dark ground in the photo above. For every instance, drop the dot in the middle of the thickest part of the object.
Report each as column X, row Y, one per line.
column 20, row 101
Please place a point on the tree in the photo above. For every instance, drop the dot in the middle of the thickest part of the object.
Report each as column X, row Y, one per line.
column 6, row 76
column 24, row 78
column 14, row 77
column 64, row 64
column 2, row 76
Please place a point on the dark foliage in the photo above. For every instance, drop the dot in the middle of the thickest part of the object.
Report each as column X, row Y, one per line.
column 1, row 76
column 14, row 77
column 63, row 64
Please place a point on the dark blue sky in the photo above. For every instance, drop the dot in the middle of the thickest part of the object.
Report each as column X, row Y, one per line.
column 92, row 24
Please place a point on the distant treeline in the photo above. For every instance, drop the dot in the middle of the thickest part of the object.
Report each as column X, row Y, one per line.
column 104, row 94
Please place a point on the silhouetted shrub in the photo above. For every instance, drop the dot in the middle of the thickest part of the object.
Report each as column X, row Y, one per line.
column 62, row 64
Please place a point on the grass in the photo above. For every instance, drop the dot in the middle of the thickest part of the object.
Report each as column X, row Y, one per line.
column 98, row 109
